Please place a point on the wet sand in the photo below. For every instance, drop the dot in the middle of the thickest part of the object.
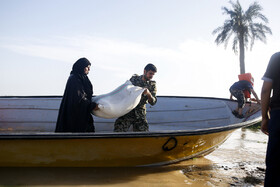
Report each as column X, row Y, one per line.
column 238, row 162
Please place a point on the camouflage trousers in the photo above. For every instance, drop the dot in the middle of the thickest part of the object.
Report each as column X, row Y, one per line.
column 136, row 117
column 239, row 95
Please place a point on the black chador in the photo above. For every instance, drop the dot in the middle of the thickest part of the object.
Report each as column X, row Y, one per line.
column 76, row 105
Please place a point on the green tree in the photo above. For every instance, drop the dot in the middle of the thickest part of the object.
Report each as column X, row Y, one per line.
column 244, row 26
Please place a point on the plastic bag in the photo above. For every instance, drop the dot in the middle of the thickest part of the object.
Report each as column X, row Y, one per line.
column 118, row 102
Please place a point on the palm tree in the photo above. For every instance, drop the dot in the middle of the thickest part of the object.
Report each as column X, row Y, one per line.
column 243, row 27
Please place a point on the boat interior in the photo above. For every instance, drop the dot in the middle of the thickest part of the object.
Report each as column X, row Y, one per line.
column 39, row 114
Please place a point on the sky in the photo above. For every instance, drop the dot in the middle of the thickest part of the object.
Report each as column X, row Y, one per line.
column 40, row 40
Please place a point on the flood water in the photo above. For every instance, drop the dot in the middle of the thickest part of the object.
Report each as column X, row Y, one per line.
column 238, row 162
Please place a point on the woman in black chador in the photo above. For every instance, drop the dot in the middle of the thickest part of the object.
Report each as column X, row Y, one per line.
column 76, row 105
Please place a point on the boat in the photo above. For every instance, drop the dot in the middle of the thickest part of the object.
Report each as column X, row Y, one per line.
column 180, row 128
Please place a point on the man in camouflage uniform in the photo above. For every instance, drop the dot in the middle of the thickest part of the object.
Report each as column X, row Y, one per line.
column 137, row 117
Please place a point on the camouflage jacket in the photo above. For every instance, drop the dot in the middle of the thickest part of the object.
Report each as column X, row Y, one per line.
column 151, row 85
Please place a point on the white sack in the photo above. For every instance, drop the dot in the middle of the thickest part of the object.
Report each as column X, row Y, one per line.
column 118, row 102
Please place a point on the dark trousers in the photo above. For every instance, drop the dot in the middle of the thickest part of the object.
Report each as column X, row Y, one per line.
column 272, row 175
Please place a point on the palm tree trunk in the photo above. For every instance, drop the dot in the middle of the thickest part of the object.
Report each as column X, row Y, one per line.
column 242, row 54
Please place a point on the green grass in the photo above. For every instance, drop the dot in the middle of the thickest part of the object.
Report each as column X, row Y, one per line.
column 256, row 126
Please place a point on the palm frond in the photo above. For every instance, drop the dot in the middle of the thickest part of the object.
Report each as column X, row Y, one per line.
column 259, row 31
column 254, row 12
column 223, row 32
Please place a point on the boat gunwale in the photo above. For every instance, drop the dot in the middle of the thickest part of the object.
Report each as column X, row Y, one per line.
column 163, row 96
column 172, row 133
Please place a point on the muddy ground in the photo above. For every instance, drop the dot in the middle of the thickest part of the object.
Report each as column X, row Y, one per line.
column 238, row 162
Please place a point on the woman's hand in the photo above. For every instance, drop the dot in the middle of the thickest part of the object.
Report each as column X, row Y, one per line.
column 96, row 107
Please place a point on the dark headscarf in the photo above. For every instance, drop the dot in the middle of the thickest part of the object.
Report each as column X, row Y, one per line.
column 78, row 69
column 79, row 66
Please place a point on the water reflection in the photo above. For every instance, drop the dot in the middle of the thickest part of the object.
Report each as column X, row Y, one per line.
column 159, row 176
